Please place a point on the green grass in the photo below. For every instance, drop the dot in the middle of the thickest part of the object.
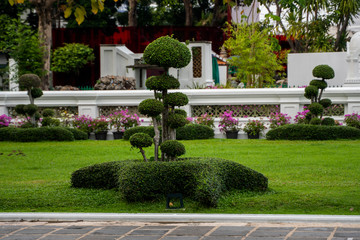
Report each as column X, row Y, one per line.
column 313, row 177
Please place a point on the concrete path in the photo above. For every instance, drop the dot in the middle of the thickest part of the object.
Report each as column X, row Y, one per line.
column 65, row 226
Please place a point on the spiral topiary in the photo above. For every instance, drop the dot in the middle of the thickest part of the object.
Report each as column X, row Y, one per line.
column 311, row 91
column 328, row 121
column 29, row 81
column 315, row 121
column 316, row 108
column 321, row 84
column 176, row 99
column 323, row 71
column 176, row 120
column 167, row 52
column 325, row 102
column 172, row 148
column 162, row 82
column 151, row 107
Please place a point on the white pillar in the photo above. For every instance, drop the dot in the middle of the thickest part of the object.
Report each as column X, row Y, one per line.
column 13, row 76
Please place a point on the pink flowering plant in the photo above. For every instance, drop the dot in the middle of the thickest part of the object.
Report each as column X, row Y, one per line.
column 352, row 120
column 302, row 117
column 279, row 119
column 5, row 120
column 228, row 123
column 100, row 124
column 122, row 120
column 83, row 123
column 205, row 119
column 254, row 127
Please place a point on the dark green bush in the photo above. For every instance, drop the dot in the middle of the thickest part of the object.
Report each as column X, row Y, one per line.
column 172, row 148
column 48, row 112
column 30, row 109
column 29, row 81
column 36, row 92
column 316, row 108
column 321, row 84
column 141, row 140
column 312, row 132
column 151, row 107
column 325, row 102
column 78, row 134
column 50, row 122
column 141, row 129
column 181, row 112
column 176, row 120
column 19, row 109
column 37, row 134
column 177, row 99
column 315, row 121
column 194, row 131
column 8, row 134
column 311, row 91
column 162, row 82
column 324, row 72
column 328, row 121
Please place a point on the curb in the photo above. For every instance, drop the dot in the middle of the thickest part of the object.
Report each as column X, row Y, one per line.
column 181, row 217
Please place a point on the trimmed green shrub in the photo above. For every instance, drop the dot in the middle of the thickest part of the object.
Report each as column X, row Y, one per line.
column 325, row 102
column 181, row 112
column 8, row 134
column 162, row 82
column 176, row 120
column 48, row 112
column 78, row 134
column 311, row 91
column 323, row 71
column 19, row 109
column 37, row 134
column 316, row 108
column 36, row 92
column 29, row 81
column 30, row 109
column 176, row 99
column 328, row 121
column 141, row 129
column 312, row 132
column 315, row 121
column 151, row 107
column 50, row 122
column 172, row 148
column 321, row 84
column 194, row 131
column 140, row 140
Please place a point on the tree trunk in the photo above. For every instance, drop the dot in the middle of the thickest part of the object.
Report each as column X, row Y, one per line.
column 156, row 139
column 188, row 13
column 132, row 14
column 340, row 31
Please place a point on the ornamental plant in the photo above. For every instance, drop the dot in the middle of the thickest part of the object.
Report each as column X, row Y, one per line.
column 228, row 122
column 303, row 117
column 205, row 119
column 100, row 124
column 83, row 123
column 254, row 127
column 5, row 120
column 352, row 120
column 279, row 119
column 122, row 120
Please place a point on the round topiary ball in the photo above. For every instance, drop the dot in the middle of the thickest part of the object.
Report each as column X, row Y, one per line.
column 141, row 140
column 181, row 112
column 167, row 52
column 311, row 91
column 325, row 102
column 48, row 112
column 321, row 84
column 315, row 121
column 19, row 109
column 162, row 82
column 323, row 71
column 151, row 107
column 176, row 99
column 29, row 81
column 172, row 148
column 316, row 108
column 328, row 121
column 176, row 120
column 30, row 109
column 36, row 92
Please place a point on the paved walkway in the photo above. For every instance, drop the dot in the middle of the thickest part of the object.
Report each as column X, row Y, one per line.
column 160, row 230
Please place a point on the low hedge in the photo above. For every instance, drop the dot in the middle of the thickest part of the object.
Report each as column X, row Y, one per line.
column 78, row 134
column 201, row 179
column 194, row 131
column 35, row 134
column 141, row 129
column 312, row 132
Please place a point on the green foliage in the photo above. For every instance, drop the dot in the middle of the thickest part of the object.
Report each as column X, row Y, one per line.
column 36, row 134
column 325, row 102
column 172, row 148
column 176, row 120
column 162, row 82
column 320, row 84
column 36, row 92
column 71, row 58
column 180, row 111
column 311, row 92
column 167, row 52
column 78, row 134
column 29, row 81
column 19, row 109
column 151, row 107
column 176, row 99
column 194, row 131
column 323, row 71
column 312, row 132
column 315, row 121
column 328, row 121
column 48, row 112
column 50, row 122
column 141, row 140
column 140, row 129
column 30, row 109
column 316, row 108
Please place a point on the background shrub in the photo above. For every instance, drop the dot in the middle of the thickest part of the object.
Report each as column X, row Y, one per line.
column 328, row 121
column 141, row 129
column 78, row 134
column 194, row 131
column 312, row 132
column 36, row 134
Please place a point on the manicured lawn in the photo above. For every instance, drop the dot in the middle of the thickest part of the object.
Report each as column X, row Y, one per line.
column 304, row 177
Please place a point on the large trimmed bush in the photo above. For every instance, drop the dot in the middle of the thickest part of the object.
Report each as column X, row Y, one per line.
column 312, row 132
column 35, row 134
column 194, row 131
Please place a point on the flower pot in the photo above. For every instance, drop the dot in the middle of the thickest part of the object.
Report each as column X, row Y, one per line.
column 118, row 135
column 231, row 134
column 101, row 135
column 251, row 136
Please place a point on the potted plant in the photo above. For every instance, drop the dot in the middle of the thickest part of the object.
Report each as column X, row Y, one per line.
column 122, row 121
column 83, row 123
column 100, row 126
column 253, row 128
column 229, row 125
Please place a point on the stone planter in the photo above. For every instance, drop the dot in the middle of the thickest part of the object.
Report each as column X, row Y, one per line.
column 118, row 135
column 231, row 134
column 256, row 136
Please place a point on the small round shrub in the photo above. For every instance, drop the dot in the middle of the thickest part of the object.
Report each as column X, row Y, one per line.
column 141, row 140
column 176, row 120
column 325, row 102
column 167, row 52
column 181, row 112
column 140, row 129
column 315, row 121
column 19, row 109
column 37, row 116
column 48, row 112
column 311, row 91
column 50, row 122
column 321, row 84
column 151, row 107
column 36, row 92
column 176, row 99
column 316, row 108
column 29, row 81
column 324, row 72
column 328, row 121
column 194, row 131
column 30, row 109
column 162, row 82
column 172, row 148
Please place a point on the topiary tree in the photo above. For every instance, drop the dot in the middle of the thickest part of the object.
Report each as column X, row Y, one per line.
column 314, row 93
column 165, row 52
column 140, row 141
column 172, row 149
